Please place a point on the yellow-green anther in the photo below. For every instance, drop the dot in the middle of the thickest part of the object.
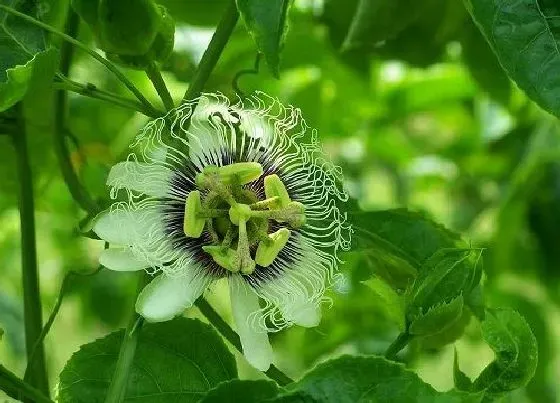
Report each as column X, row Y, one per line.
column 193, row 225
column 268, row 251
column 239, row 212
column 223, row 256
column 274, row 187
column 242, row 172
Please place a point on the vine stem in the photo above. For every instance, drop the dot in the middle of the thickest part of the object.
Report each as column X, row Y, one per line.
column 153, row 73
column 117, row 387
column 91, row 91
column 30, row 279
column 78, row 192
column 396, row 346
column 229, row 334
column 213, row 51
column 110, row 66
column 18, row 389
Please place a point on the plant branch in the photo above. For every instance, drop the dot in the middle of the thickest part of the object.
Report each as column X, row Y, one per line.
column 117, row 388
column 396, row 346
column 229, row 334
column 153, row 73
column 19, row 389
column 91, row 91
column 110, row 66
column 213, row 52
column 30, row 279
column 78, row 192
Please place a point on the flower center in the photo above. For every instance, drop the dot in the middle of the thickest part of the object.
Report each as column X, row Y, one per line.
column 237, row 221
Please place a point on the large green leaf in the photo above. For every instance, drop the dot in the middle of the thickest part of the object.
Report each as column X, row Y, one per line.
column 241, row 391
column 266, row 22
column 515, row 346
column 20, row 43
column 395, row 243
column 525, row 35
column 175, row 361
column 350, row 379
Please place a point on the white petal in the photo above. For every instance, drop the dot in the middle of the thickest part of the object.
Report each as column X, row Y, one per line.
column 122, row 259
column 166, row 297
column 244, row 303
column 302, row 313
column 151, row 179
column 126, row 226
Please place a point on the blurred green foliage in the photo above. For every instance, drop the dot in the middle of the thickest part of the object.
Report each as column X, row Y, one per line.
column 419, row 114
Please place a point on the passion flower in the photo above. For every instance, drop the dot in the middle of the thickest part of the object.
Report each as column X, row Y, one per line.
column 240, row 191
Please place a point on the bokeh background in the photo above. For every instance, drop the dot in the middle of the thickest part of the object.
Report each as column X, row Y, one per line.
column 426, row 120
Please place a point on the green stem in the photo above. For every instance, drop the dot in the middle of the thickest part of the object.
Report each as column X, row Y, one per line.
column 110, row 66
column 396, row 346
column 19, row 389
column 153, row 73
column 31, row 295
column 229, row 334
column 91, row 91
column 117, row 388
column 213, row 52
column 78, row 192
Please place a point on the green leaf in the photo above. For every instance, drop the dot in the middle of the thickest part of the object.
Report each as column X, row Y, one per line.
column 525, row 35
column 179, row 360
column 20, row 42
column 446, row 275
column 438, row 318
column 375, row 21
column 389, row 299
column 460, row 379
column 395, row 243
column 266, row 22
column 515, row 347
column 484, row 65
column 241, row 391
column 350, row 379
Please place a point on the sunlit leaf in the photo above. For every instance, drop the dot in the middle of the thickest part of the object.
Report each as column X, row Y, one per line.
column 179, row 360
column 515, row 346
column 20, row 44
column 373, row 379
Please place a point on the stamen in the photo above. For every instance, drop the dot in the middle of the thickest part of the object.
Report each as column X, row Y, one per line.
column 193, row 225
column 274, row 187
column 223, row 256
column 268, row 251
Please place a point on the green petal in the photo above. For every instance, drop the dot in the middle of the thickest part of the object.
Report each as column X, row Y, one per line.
column 122, row 259
column 126, row 227
column 245, row 302
column 151, row 179
column 166, row 296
